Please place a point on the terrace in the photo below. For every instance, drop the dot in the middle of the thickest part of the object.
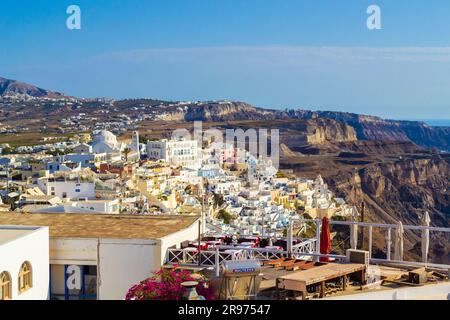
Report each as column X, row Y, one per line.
column 301, row 271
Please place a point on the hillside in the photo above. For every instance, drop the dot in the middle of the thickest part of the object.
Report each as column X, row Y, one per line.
column 12, row 87
column 366, row 127
column 369, row 128
column 398, row 168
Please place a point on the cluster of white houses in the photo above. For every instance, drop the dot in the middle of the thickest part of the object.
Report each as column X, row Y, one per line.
column 90, row 223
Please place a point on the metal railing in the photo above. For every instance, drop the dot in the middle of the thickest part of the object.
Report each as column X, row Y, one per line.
column 302, row 249
column 215, row 257
column 206, row 258
column 389, row 235
column 307, row 249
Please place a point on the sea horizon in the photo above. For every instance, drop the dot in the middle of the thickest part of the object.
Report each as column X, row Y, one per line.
column 430, row 122
column 436, row 122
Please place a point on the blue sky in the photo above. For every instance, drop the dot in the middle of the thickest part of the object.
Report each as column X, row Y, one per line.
column 271, row 53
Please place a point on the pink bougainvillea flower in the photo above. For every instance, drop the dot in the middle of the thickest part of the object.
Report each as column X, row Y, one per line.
column 165, row 284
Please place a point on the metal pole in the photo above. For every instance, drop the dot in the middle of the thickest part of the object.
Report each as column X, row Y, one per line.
column 317, row 239
column 362, row 220
column 203, row 213
column 262, row 230
column 217, row 263
column 389, row 244
column 425, row 245
column 370, row 242
column 199, row 242
column 289, row 239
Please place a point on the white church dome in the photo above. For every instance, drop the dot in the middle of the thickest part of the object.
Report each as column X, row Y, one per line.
column 105, row 141
column 105, row 136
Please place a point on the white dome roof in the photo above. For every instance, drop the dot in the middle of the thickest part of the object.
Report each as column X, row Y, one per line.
column 105, row 142
column 105, row 136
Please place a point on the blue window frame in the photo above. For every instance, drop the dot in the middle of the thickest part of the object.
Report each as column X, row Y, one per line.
column 86, row 291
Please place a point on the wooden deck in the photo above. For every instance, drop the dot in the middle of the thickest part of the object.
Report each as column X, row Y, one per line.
column 300, row 280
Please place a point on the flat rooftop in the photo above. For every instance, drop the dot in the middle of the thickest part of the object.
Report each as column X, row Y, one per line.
column 75, row 225
column 8, row 234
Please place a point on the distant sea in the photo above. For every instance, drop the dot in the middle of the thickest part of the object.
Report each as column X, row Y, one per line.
column 437, row 122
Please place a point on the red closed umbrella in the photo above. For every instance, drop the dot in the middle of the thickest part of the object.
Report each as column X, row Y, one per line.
column 325, row 239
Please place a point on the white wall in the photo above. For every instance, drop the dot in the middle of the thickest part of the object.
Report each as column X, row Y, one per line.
column 76, row 251
column 124, row 263
column 121, row 263
column 98, row 206
column 175, row 239
column 86, row 189
column 34, row 248
column 428, row 292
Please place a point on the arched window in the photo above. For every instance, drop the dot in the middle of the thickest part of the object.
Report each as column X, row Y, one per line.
column 25, row 277
column 5, row 286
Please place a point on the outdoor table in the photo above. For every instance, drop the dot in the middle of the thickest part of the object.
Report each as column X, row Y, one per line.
column 299, row 281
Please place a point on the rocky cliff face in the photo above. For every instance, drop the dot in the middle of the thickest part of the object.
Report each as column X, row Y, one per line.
column 296, row 133
column 365, row 127
column 402, row 191
column 329, row 131
column 315, row 136
column 426, row 136
column 377, row 129
column 218, row 111
column 382, row 148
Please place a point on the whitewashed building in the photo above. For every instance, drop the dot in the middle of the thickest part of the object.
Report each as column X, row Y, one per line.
column 83, row 148
column 176, row 152
column 106, row 142
column 24, row 261
column 95, row 256
column 72, row 189
column 103, row 206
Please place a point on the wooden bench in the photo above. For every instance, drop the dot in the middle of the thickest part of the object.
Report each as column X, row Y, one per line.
column 273, row 262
